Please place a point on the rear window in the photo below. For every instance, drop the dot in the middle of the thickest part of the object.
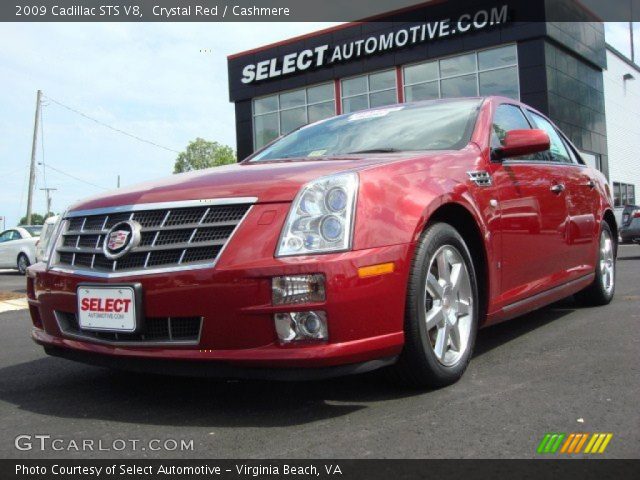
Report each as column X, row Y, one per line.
column 34, row 230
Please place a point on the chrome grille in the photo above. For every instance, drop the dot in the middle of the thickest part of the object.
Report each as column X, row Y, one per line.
column 172, row 235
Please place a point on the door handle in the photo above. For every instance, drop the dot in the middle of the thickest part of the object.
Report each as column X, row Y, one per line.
column 557, row 188
column 591, row 184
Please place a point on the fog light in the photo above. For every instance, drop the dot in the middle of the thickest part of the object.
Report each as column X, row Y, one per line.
column 301, row 326
column 298, row 289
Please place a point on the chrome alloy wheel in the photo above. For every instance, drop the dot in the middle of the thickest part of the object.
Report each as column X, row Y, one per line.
column 449, row 305
column 607, row 262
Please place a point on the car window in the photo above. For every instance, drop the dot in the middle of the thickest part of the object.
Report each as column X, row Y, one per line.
column 558, row 151
column 9, row 235
column 434, row 125
column 573, row 154
column 507, row 117
column 34, row 230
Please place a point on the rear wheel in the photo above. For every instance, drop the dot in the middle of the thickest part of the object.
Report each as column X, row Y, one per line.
column 441, row 314
column 23, row 263
column 601, row 291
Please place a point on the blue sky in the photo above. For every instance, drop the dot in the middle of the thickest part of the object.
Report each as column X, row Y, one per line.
column 150, row 79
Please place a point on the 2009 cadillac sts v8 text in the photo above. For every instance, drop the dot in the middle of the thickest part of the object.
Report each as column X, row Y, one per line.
column 384, row 237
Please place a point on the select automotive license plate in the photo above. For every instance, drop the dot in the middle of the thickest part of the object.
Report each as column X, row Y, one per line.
column 110, row 308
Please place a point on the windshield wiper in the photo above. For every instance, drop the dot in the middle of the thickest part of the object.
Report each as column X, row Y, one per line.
column 375, row 150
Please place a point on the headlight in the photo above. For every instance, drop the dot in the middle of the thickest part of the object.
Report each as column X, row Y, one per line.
column 321, row 217
column 52, row 239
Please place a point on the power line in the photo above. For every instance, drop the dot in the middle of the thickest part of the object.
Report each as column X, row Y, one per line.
column 6, row 174
column 131, row 135
column 76, row 178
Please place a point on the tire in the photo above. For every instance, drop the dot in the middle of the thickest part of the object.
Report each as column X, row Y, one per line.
column 23, row 263
column 603, row 288
column 428, row 360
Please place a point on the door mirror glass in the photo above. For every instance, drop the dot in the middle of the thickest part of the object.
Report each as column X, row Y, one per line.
column 522, row 142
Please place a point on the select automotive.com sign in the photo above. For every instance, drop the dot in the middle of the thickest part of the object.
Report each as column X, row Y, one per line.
column 324, row 55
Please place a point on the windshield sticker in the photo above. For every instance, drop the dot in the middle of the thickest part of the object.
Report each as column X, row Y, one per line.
column 373, row 113
column 317, row 153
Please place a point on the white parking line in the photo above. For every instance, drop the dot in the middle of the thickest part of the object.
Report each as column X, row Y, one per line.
column 15, row 304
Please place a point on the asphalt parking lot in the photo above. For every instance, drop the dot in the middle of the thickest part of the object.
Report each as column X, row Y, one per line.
column 562, row 369
column 12, row 281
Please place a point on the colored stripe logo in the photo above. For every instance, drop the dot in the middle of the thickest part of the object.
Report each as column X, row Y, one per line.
column 574, row 443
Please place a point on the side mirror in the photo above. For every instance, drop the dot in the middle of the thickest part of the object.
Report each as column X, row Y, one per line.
column 522, row 142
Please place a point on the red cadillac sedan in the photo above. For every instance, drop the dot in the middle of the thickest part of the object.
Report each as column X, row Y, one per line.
column 381, row 238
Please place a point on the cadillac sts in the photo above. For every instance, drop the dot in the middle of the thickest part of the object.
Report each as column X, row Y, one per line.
column 380, row 238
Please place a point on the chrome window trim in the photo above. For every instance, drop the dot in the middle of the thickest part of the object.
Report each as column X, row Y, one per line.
column 540, row 162
column 149, row 206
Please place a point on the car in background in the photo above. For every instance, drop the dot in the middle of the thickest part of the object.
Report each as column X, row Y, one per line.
column 630, row 226
column 18, row 247
column 43, row 242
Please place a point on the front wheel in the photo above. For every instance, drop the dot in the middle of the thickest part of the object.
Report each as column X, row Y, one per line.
column 601, row 291
column 441, row 315
column 23, row 263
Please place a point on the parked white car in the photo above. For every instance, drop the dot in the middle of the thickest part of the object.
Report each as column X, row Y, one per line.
column 18, row 247
column 42, row 245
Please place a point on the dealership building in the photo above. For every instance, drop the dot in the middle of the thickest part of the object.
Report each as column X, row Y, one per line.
column 517, row 49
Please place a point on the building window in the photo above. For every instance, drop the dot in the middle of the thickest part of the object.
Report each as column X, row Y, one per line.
column 623, row 194
column 593, row 160
column 279, row 114
column 486, row 72
column 368, row 91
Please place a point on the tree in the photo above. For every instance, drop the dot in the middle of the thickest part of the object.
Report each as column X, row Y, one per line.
column 203, row 154
column 36, row 218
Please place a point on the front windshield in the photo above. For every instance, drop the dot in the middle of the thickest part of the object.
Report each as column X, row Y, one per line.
column 34, row 231
column 434, row 125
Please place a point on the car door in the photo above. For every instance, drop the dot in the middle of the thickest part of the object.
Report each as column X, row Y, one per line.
column 7, row 245
column 582, row 201
column 533, row 214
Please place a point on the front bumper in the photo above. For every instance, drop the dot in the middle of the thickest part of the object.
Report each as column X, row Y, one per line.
column 238, row 338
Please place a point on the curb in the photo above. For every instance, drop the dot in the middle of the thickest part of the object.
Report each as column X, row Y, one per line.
column 15, row 304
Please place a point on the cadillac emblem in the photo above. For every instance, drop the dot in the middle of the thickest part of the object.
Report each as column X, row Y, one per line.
column 121, row 238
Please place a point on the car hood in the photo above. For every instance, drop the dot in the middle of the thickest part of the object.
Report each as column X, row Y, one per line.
column 274, row 181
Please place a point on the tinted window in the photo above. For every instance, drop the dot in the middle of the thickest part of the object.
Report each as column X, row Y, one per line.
column 438, row 125
column 34, row 231
column 9, row 235
column 558, row 151
column 507, row 117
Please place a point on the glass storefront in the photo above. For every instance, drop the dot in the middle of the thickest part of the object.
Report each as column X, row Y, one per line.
column 368, row 91
column 277, row 115
column 486, row 72
column 492, row 71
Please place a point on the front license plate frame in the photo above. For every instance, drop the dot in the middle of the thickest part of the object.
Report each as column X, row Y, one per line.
column 104, row 321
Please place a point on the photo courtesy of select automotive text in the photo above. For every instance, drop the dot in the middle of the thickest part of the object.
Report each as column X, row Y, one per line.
column 305, row 239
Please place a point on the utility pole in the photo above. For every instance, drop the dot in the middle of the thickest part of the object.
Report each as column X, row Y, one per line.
column 32, row 171
column 48, row 192
column 118, row 181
